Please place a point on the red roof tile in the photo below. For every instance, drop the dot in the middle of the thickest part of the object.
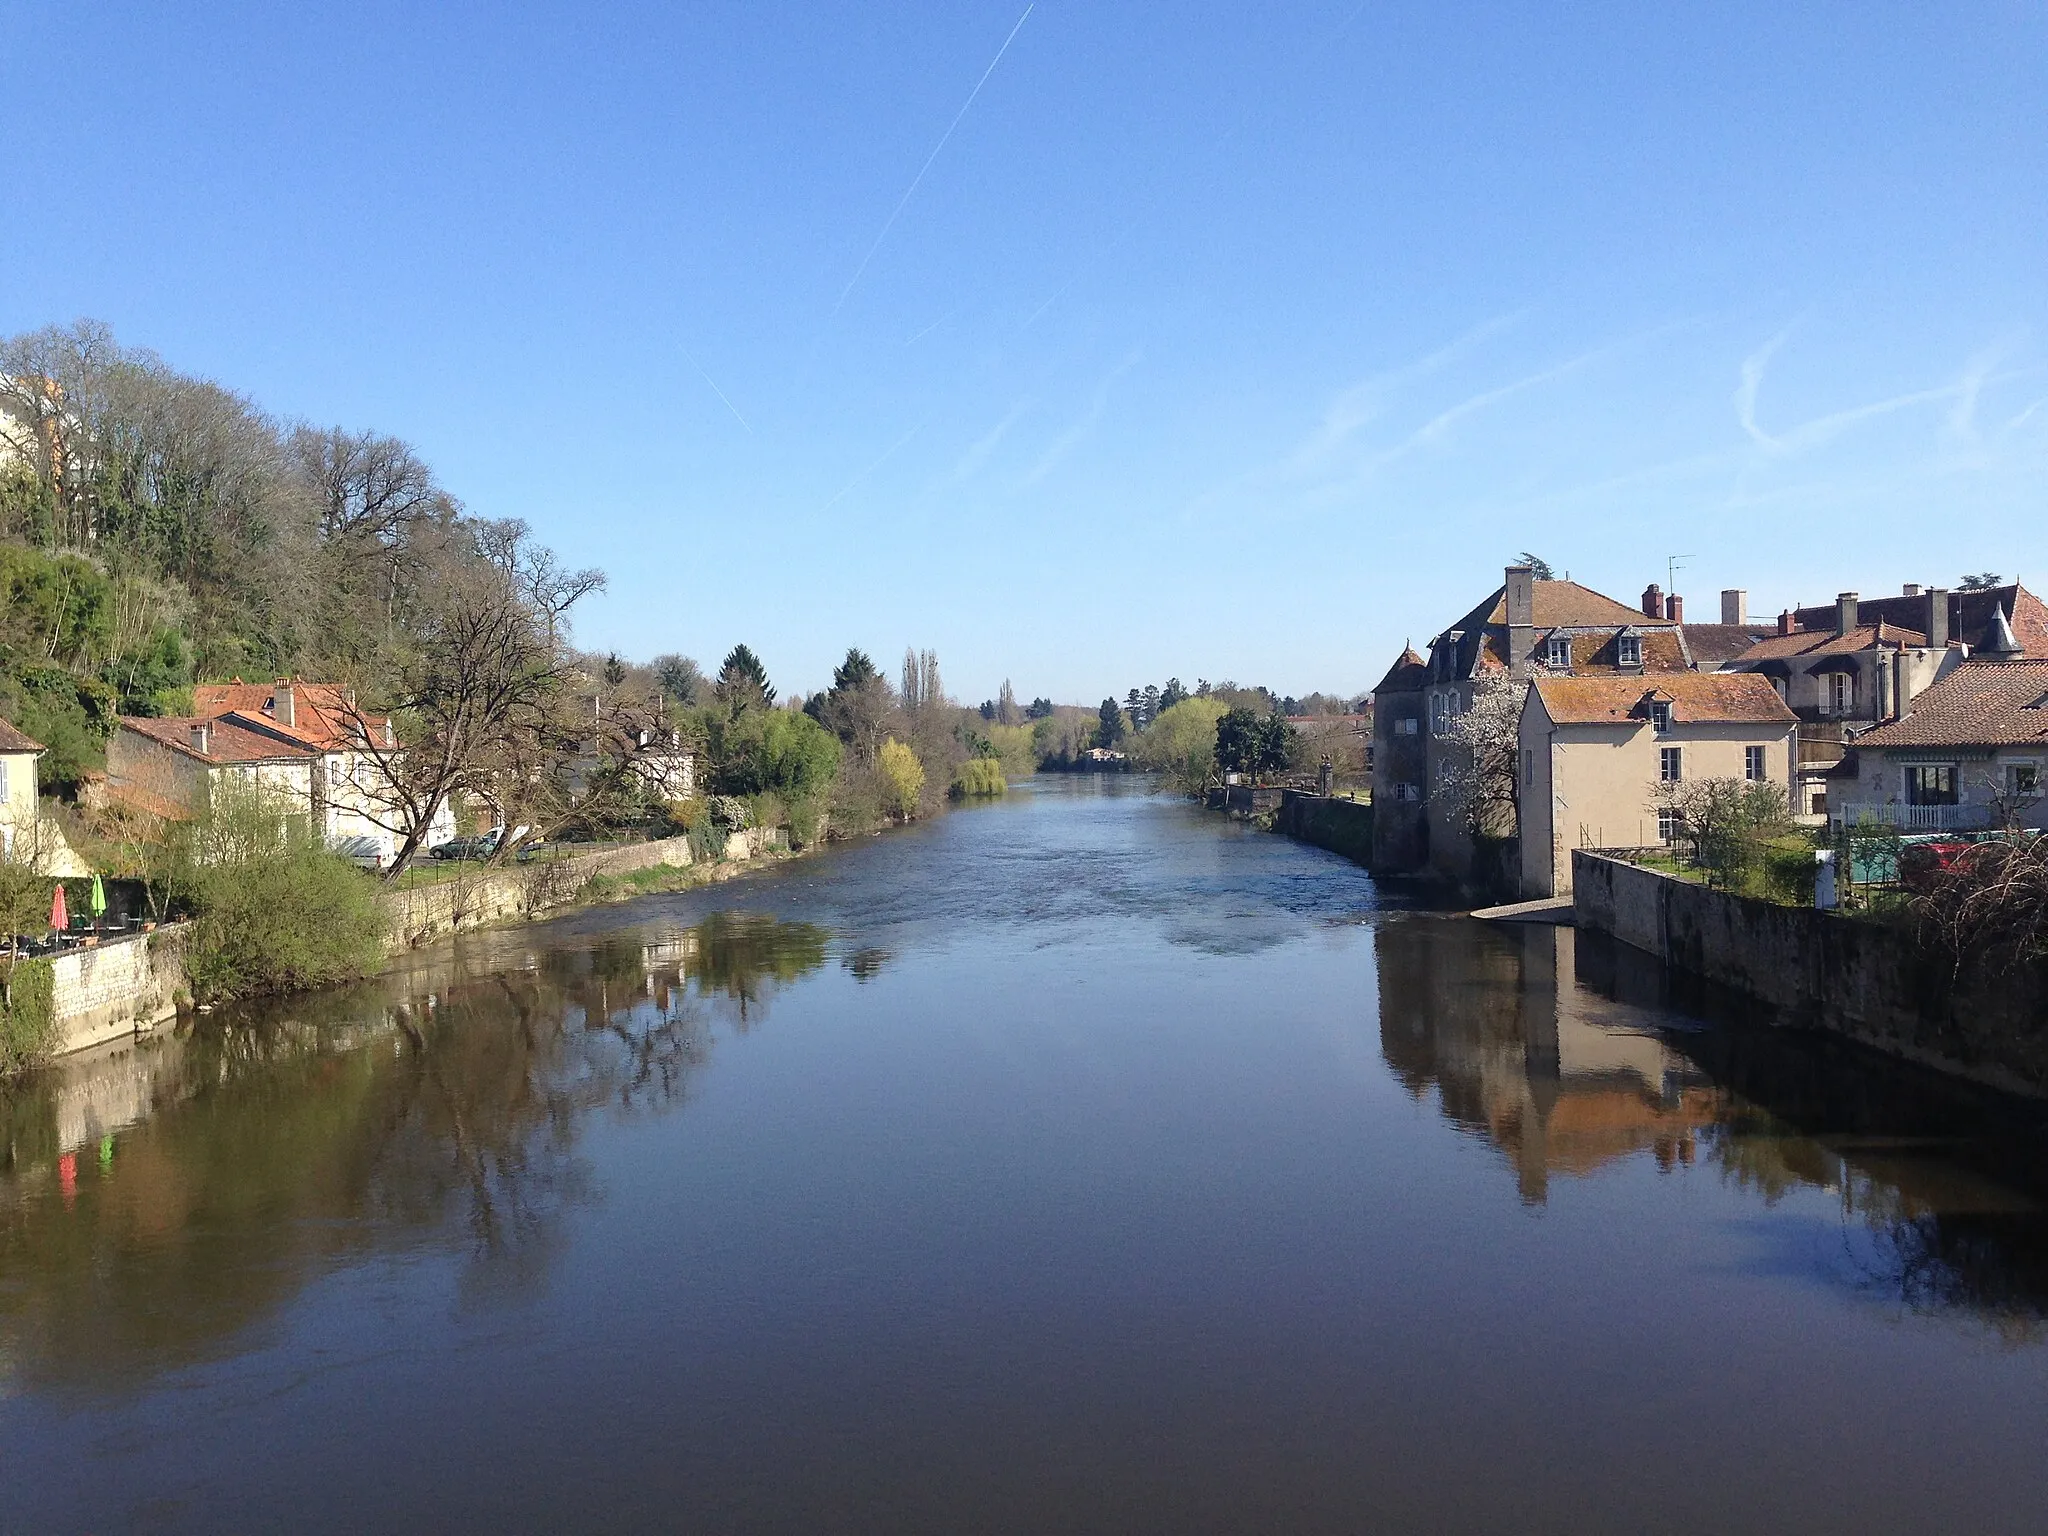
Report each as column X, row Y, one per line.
column 1980, row 704
column 1695, row 697
column 227, row 740
column 12, row 740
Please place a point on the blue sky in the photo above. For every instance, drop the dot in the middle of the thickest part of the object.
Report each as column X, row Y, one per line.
column 1214, row 340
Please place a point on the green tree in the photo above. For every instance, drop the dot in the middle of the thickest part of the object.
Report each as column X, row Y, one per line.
column 1251, row 743
column 743, row 682
column 1181, row 743
column 1109, row 729
column 904, row 776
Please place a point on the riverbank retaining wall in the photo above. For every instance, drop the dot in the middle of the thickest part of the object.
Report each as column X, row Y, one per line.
column 116, row 989
column 473, row 896
column 1342, row 826
column 1823, row 970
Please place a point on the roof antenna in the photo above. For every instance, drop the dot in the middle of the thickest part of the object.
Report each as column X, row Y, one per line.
column 1671, row 565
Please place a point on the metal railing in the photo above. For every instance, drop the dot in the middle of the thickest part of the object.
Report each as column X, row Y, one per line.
column 1918, row 818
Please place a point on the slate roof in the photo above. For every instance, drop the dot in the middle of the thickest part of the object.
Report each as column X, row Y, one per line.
column 12, row 740
column 1725, row 698
column 1980, row 704
column 1408, row 673
column 1969, row 616
column 1712, row 644
column 228, row 740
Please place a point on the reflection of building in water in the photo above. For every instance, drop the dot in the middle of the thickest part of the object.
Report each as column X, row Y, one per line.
column 1558, row 1078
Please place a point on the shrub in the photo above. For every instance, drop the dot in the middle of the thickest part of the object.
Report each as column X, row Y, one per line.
column 27, row 1014
column 903, row 776
column 274, row 911
column 1181, row 743
column 979, row 778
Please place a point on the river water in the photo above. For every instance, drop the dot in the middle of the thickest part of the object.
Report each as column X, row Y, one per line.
column 1078, row 1163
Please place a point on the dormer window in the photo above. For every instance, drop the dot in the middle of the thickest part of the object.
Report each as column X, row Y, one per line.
column 1557, row 653
column 1628, row 651
column 1660, row 718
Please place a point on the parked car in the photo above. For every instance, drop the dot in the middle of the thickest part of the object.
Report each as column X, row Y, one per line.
column 1922, row 863
column 481, row 847
column 363, row 852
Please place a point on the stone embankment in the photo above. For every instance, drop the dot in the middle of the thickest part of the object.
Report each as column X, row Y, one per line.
column 131, row 985
column 1327, row 821
column 1822, row 970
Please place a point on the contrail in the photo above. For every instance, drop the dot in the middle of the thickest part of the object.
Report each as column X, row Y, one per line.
column 714, row 388
column 928, row 159
column 885, row 458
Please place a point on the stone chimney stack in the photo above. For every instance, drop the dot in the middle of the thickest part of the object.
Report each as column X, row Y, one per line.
column 282, row 704
column 1910, row 589
column 199, row 738
column 1734, row 606
column 1521, row 606
column 1937, row 617
column 1653, row 601
column 1787, row 625
column 1674, row 608
column 1845, row 613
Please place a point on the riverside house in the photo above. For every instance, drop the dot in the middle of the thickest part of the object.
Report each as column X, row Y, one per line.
column 1971, row 753
column 304, row 740
column 1525, row 626
column 1594, row 752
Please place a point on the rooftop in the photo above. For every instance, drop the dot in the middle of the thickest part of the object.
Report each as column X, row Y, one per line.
column 1725, row 698
column 227, row 739
column 1980, row 704
column 12, row 740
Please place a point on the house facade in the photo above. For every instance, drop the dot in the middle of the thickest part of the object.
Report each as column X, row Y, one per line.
column 18, row 802
column 306, row 741
column 1525, row 628
column 1594, row 752
column 1971, row 753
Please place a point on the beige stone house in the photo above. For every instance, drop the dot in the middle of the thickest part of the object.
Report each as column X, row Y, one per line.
column 1971, row 753
column 1593, row 751
column 18, row 803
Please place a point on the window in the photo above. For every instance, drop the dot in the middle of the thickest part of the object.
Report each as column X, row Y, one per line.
column 1628, row 651
column 2022, row 781
column 1670, row 825
column 1668, row 765
column 1753, row 764
column 1405, row 726
column 1528, row 765
column 1819, row 803
column 1557, row 652
column 1439, row 714
column 1930, row 783
column 1407, row 792
column 1660, row 719
column 1841, row 693
column 3, row 779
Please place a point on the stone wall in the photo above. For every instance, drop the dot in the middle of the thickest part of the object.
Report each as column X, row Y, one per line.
column 1821, row 970
column 1342, row 826
column 116, row 989
column 473, row 896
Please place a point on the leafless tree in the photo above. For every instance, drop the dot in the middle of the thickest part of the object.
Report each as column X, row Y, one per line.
column 1484, row 743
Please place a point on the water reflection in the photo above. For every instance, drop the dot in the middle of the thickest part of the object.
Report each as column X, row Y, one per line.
column 157, row 1198
column 1570, row 1054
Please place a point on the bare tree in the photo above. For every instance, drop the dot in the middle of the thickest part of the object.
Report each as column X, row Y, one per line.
column 1479, row 774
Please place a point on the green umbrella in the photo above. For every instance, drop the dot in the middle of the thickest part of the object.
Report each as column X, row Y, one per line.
column 97, row 902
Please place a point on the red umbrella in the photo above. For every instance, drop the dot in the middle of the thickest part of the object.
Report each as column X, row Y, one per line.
column 59, row 918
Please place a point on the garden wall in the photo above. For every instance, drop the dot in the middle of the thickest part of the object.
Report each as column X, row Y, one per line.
column 117, row 989
column 1821, row 970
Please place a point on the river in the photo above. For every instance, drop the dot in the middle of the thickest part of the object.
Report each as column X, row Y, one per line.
column 1077, row 1163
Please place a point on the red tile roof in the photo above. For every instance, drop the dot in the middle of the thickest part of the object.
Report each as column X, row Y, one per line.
column 1739, row 698
column 228, row 741
column 12, row 740
column 1566, row 604
column 321, row 713
column 1980, row 704
column 1864, row 637
column 1969, row 616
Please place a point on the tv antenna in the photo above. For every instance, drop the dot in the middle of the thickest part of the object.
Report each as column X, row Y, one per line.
column 1671, row 565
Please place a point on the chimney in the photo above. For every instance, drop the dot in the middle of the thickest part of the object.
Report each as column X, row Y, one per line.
column 200, row 736
column 1674, row 608
column 1653, row 601
column 1521, row 607
column 1787, row 625
column 1845, row 613
column 1937, row 617
column 1734, row 606
column 282, row 703
column 1910, row 589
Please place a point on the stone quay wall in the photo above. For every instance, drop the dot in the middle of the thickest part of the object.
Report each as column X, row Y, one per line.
column 1342, row 826
column 1821, row 970
column 120, row 988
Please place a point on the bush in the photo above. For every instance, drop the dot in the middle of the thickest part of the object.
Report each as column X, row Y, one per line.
column 979, row 778
column 273, row 910
column 903, row 777
column 27, row 1015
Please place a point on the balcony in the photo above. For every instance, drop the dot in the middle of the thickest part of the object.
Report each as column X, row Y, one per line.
column 1919, row 818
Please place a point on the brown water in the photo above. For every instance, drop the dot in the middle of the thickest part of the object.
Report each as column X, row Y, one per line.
column 1081, row 1163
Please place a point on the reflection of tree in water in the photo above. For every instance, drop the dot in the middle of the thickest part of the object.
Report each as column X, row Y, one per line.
column 310, row 1134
